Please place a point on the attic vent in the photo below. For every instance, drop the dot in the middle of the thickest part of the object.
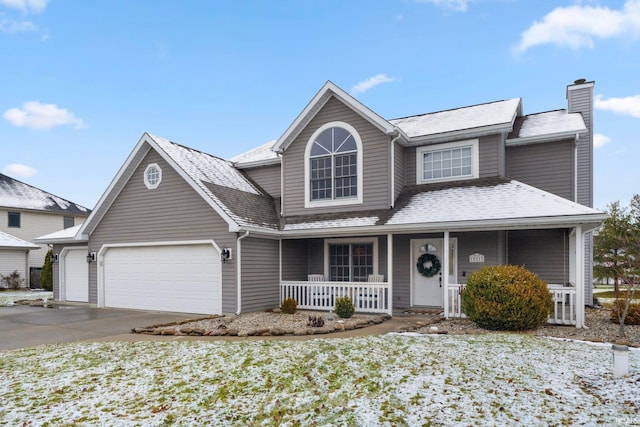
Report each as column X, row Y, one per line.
column 152, row 176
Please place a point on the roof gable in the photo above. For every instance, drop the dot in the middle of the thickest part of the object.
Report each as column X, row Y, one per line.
column 18, row 195
column 205, row 173
column 315, row 105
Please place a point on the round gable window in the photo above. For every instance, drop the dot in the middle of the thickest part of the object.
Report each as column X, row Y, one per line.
column 152, row 176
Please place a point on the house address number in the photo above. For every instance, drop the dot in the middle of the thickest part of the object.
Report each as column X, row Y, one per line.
column 476, row 258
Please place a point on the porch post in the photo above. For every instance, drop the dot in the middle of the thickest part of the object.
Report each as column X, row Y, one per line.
column 580, row 285
column 444, row 272
column 390, row 272
column 280, row 271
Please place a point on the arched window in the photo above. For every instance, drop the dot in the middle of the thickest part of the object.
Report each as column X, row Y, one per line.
column 333, row 166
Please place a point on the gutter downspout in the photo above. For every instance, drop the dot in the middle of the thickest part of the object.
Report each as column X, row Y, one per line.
column 393, row 168
column 239, row 272
column 575, row 168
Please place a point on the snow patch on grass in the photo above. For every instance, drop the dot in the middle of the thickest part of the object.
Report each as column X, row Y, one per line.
column 491, row 379
column 8, row 298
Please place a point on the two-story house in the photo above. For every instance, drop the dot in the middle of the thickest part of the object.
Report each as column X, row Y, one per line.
column 27, row 212
column 393, row 213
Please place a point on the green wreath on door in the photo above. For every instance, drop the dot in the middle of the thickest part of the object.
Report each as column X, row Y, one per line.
column 431, row 270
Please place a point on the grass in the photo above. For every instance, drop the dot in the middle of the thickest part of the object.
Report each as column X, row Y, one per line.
column 612, row 294
column 385, row 380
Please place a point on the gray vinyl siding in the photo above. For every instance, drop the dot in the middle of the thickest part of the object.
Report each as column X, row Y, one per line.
column 581, row 101
column 544, row 252
column 315, row 256
column 410, row 165
column 375, row 144
column 260, row 274
column 547, row 166
column 267, row 177
column 489, row 149
column 400, row 169
column 172, row 212
column 485, row 243
column 294, row 260
column 488, row 162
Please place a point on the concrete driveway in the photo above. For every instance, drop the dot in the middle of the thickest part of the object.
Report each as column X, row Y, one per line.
column 26, row 326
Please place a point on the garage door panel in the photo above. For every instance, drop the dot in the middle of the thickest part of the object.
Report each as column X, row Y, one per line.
column 182, row 278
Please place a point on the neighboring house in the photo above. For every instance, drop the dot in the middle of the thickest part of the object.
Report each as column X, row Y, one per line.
column 394, row 213
column 14, row 256
column 27, row 212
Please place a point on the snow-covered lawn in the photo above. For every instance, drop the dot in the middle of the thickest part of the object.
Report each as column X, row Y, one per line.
column 494, row 379
column 9, row 297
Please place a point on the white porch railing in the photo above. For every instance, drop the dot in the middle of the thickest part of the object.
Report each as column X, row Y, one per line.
column 564, row 303
column 367, row 297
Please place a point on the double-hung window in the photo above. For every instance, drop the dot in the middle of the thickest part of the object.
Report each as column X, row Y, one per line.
column 351, row 261
column 447, row 162
column 333, row 166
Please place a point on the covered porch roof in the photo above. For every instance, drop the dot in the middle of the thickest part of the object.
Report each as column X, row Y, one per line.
column 480, row 204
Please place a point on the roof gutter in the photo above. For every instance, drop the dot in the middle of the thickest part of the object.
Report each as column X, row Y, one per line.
column 239, row 272
column 558, row 136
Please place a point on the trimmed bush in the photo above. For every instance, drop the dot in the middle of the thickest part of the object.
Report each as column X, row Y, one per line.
column 344, row 307
column 632, row 317
column 289, row 306
column 12, row 281
column 507, row 298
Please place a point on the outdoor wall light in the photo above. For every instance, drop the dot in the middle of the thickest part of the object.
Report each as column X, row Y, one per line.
column 91, row 256
column 53, row 258
column 225, row 254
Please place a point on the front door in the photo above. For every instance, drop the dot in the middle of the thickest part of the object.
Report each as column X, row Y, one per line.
column 427, row 280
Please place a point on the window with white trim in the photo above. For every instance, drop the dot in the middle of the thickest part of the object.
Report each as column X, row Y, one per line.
column 447, row 162
column 333, row 170
column 152, row 176
column 351, row 261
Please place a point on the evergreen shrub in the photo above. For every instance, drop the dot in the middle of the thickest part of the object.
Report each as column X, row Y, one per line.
column 506, row 297
column 289, row 306
column 344, row 307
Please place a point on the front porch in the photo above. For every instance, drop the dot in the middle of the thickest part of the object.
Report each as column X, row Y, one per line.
column 376, row 297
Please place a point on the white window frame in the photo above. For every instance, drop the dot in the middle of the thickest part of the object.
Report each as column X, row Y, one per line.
column 342, row 241
column 475, row 160
column 308, row 203
column 152, row 186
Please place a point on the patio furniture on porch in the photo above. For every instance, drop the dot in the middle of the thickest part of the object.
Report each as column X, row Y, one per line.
column 368, row 299
column 321, row 295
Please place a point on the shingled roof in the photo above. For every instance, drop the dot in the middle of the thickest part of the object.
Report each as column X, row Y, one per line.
column 18, row 195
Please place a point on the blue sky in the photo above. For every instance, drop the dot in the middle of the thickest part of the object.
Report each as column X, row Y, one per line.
column 81, row 81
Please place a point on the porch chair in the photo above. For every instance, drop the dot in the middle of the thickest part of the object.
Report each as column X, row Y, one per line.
column 370, row 300
column 320, row 296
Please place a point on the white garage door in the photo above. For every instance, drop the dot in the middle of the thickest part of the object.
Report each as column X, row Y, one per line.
column 75, row 275
column 182, row 278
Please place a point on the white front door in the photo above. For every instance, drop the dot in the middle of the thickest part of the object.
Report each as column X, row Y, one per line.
column 429, row 291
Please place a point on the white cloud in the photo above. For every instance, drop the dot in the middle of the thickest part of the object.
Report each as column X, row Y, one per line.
column 579, row 26
column 455, row 5
column 41, row 116
column 629, row 106
column 10, row 26
column 18, row 170
column 600, row 140
column 33, row 6
column 370, row 83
